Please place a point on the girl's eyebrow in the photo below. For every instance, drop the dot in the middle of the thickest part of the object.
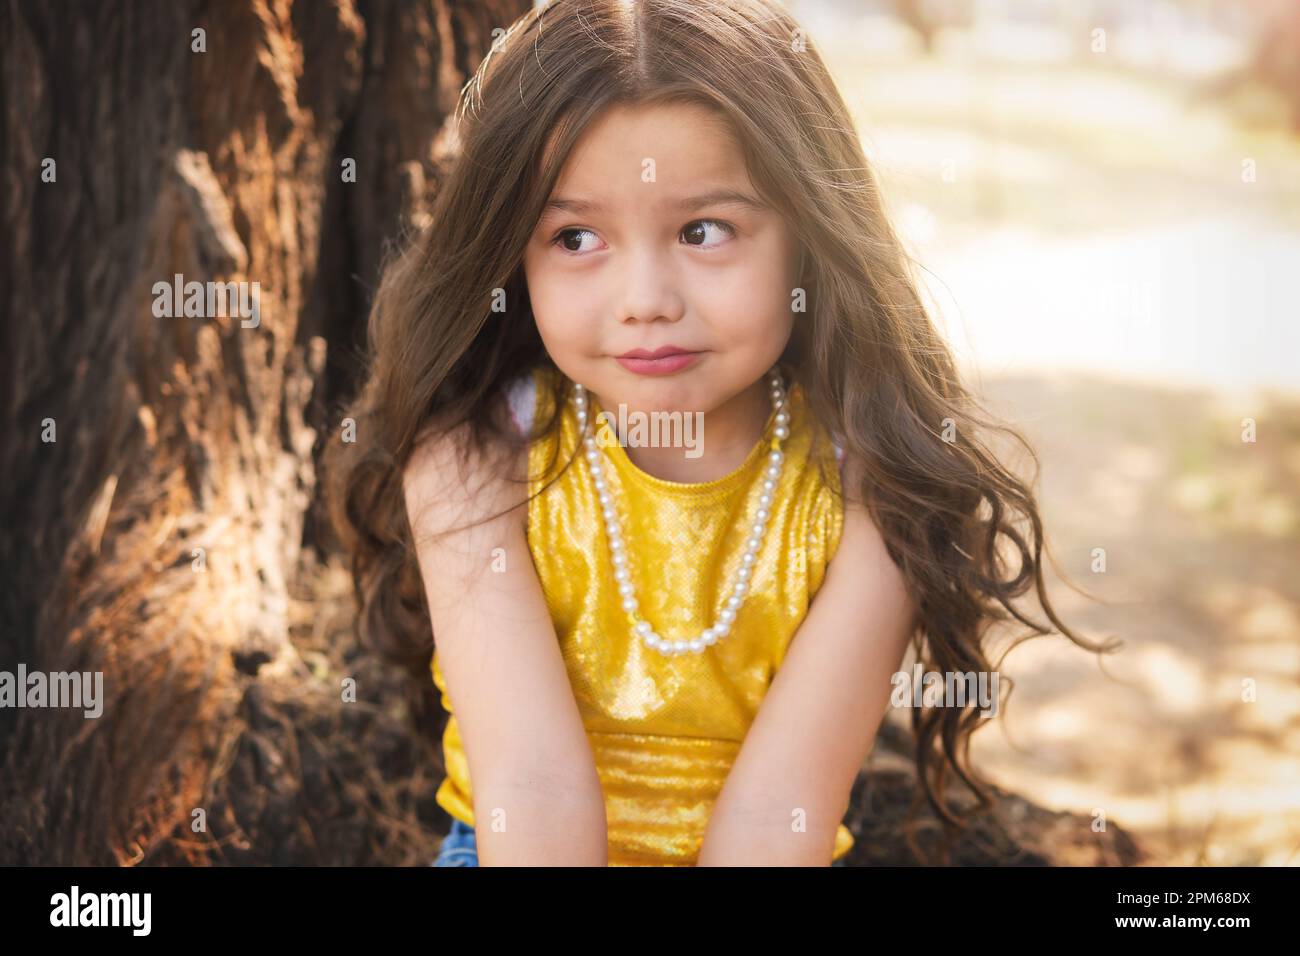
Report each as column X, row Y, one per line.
column 714, row 197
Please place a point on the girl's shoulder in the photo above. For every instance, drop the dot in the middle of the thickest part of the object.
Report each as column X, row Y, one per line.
column 451, row 482
column 448, row 475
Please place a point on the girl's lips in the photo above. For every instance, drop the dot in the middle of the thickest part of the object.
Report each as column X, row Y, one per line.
column 660, row 366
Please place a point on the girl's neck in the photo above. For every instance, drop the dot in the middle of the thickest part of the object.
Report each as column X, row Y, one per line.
column 726, row 437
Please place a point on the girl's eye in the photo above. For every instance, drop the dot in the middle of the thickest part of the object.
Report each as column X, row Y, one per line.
column 561, row 239
column 697, row 228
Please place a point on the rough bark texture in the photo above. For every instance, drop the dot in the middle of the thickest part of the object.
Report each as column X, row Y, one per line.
column 177, row 434
column 164, row 536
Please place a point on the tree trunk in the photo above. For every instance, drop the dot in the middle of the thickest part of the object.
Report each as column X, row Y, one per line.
column 161, row 467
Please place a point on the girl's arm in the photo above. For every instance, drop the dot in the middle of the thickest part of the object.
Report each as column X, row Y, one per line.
column 819, row 718
column 537, row 797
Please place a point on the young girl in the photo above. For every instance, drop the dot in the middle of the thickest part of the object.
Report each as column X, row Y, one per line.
column 671, row 652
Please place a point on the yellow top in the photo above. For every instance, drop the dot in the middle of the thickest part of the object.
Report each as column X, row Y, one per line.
column 664, row 731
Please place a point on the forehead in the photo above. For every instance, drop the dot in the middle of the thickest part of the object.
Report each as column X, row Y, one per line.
column 684, row 144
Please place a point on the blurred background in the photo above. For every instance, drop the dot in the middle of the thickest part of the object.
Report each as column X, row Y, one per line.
column 1104, row 200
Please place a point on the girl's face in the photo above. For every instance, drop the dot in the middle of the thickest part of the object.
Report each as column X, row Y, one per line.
column 655, row 237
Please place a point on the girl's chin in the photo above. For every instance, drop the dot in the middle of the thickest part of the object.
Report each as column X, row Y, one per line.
column 654, row 399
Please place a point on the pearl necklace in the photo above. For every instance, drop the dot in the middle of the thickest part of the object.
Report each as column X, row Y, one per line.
column 618, row 548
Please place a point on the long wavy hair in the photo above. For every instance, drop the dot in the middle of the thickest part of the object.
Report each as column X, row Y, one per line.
column 873, row 367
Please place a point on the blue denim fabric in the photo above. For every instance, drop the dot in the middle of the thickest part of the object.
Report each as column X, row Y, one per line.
column 459, row 846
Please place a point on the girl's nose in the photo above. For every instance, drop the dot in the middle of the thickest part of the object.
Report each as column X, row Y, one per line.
column 650, row 291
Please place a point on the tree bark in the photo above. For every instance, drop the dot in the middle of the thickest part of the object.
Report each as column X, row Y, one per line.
column 161, row 468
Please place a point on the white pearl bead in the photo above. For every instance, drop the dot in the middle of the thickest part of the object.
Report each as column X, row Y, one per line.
column 629, row 604
column 749, row 559
column 744, row 573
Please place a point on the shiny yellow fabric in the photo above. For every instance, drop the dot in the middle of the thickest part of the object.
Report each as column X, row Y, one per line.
column 665, row 730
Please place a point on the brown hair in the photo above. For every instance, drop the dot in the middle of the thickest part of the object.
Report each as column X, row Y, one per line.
column 874, row 369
